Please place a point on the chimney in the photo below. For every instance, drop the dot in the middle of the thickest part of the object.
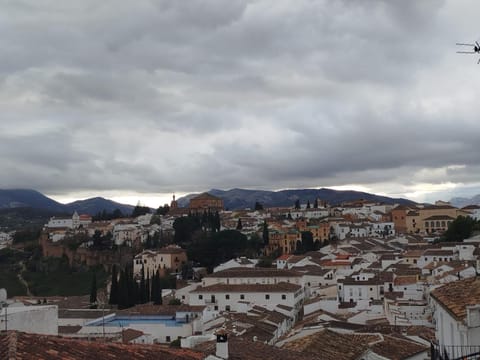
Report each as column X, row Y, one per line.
column 222, row 344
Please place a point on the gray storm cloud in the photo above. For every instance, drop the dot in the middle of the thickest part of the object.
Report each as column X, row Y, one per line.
column 163, row 95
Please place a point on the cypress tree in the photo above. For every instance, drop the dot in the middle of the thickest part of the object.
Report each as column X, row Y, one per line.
column 147, row 288
column 93, row 290
column 157, row 300
column 265, row 233
column 239, row 224
column 217, row 223
column 122, row 291
column 315, row 204
column 113, row 300
column 143, row 290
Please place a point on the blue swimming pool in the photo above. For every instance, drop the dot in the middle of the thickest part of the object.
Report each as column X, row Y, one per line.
column 147, row 320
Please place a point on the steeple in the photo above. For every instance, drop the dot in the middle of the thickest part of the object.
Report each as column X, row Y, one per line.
column 173, row 204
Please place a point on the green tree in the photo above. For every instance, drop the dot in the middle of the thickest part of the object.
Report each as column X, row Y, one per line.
column 157, row 300
column 258, row 206
column 93, row 290
column 117, row 214
column 265, row 233
column 308, row 204
column 147, row 289
column 143, row 287
column 297, row 204
column 163, row 210
column 113, row 299
column 315, row 204
column 216, row 221
column 460, row 229
column 239, row 224
column 140, row 210
column 307, row 241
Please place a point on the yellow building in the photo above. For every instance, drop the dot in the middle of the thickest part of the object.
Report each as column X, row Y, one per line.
column 432, row 219
column 207, row 202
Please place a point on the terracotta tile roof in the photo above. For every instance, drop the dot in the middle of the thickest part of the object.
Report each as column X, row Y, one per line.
column 396, row 347
column 456, row 296
column 22, row 346
column 253, row 272
column 405, row 280
column 471, row 207
column 439, row 207
column 261, row 288
column 437, row 252
column 205, row 196
column 333, row 345
column 151, row 309
column 69, row 329
column 240, row 348
column 439, row 217
column 130, row 334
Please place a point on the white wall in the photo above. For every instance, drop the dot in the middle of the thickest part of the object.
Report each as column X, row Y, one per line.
column 40, row 319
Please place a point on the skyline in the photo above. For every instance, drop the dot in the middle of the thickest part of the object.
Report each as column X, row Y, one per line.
column 140, row 101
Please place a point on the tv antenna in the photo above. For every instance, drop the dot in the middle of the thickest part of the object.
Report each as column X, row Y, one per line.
column 475, row 49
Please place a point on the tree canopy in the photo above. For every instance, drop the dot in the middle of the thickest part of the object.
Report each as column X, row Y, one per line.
column 460, row 229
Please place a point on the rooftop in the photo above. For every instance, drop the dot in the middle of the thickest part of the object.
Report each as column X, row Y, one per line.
column 22, row 346
column 456, row 296
column 253, row 272
column 257, row 288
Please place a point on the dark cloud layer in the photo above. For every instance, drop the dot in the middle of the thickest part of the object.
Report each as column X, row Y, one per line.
column 162, row 96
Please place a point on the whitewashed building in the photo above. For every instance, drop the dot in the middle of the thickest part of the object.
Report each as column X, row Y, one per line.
column 457, row 317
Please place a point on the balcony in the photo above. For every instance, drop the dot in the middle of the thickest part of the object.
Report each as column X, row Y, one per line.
column 454, row 352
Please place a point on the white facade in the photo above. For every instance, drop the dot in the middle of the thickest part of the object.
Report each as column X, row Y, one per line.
column 235, row 263
column 234, row 297
column 126, row 234
column 41, row 319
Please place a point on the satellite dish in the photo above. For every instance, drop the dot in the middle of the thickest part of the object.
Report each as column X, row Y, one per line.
column 3, row 295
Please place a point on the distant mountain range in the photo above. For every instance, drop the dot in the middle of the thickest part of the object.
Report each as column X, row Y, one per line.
column 240, row 198
column 26, row 198
column 461, row 201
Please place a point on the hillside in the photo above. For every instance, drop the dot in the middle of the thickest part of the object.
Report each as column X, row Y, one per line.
column 95, row 205
column 240, row 198
column 22, row 198
column 461, row 201
column 20, row 208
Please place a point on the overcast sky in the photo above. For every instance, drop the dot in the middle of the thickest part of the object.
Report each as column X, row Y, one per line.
column 136, row 100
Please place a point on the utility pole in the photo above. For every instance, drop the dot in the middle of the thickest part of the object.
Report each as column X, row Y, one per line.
column 6, row 316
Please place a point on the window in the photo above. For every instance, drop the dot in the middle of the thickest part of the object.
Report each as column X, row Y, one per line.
column 167, row 338
column 227, row 296
column 284, row 297
column 200, row 297
column 227, row 308
column 183, row 297
column 242, row 297
column 215, row 307
column 267, row 296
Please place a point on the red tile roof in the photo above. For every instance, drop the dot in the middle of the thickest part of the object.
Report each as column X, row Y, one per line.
column 456, row 296
column 253, row 272
column 257, row 288
column 22, row 346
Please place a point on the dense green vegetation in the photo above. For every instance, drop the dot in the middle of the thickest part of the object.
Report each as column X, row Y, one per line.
column 44, row 276
column 54, row 276
column 461, row 228
column 126, row 291
column 10, row 267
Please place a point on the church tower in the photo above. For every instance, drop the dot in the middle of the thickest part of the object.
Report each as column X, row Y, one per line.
column 173, row 204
